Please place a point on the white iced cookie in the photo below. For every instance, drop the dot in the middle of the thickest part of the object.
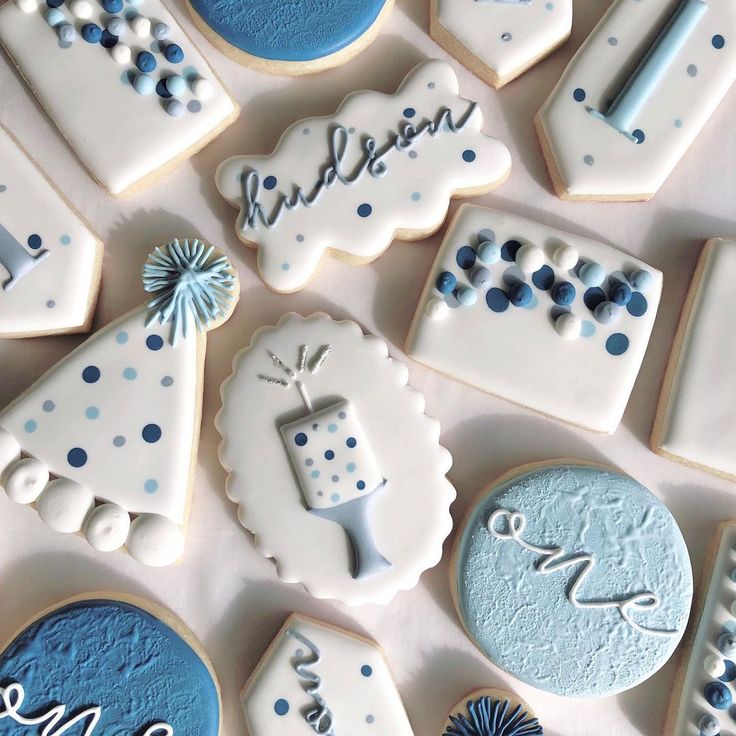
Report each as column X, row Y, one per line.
column 115, row 106
column 500, row 39
column 383, row 166
column 116, row 423
column 353, row 501
column 525, row 325
column 636, row 95
column 695, row 419
column 317, row 678
column 491, row 712
column 50, row 261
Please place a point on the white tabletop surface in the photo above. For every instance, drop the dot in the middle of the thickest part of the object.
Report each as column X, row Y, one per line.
column 224, row 590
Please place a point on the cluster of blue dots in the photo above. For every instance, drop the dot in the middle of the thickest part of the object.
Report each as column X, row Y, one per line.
column 623, row 292
column 35, row 243
column 717, row 691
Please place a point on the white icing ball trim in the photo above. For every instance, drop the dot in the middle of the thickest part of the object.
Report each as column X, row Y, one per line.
column 141, row 26
column 565, row 257
column 568, row 326
column 203, row 88
column 9, row 450
column 64, row 505
column 155, row 541
column 714, row 666
column 121, row 53
column 25, row 479
column 107, row 527
column 530, row 258
column 81, row 9
column 27, row 6
column 437, row 308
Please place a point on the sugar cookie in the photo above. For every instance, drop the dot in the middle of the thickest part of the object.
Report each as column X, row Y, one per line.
column 695, row 418
column 119, row 88
column 636, row 95
column 295, row 37
column 107, row 665
column 500, row 39
column 491, row 712
column 50, row 261
column 572, row 578
column 549, row 320
column 383, row 166
column 353, row 501
column 315, row 676
column 118, row 419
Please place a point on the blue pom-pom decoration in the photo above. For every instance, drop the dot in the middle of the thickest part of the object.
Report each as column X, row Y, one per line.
column 520, row 294
column 145, row 61
column 173, row 53
column 489, row 252
column 563, row 293
column 487, row 716
column 143, row 84
column 592, row 274
column 467, row 296
column 116, row 26
column 446, row 282
column 67, row 33
column 175, row 108
column 112, row 6
column 620, row 294
column 176, row 85
column 641, row 280
column 91, row 33
column 718, row 695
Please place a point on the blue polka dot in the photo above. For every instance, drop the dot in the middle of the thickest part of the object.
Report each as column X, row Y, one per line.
column 366, row 670
column 365, row 210
column 579, row 94
column 415, row 196
column 360, row 485
column 145, row 61
column 520, row 294
column 173, row 53
column 108, row 39
column 351, row 442
column 121, row 338
column 465, row 257
column 588, row 160
column 154, row 342
column 332, row 428
column 65, row 240
column 151, row 433
column 587, row 329
column 34, row 241
column 329, row 455
column 369, row 718
column 48, row 406
column 112, row 6
column 299, row 238
column 718, row 41
column 92, row 412
column 269, row 182
column 638, row 135
column 544, row 278
column 118, row 441
column 130, row 374
column 718, row 695
column 76, row 457
column 91, row 374
column 167, row 381
column 446, row 282
column 617, row 344
column 30, row 426
column 91, row 33
column 335, row 497
column 350, row 467
column 593, row 297
column 409, row 112
column 563, row 293
column 468, row 156
column 497, row 300
column 678, row 123
column 692, row 70
column 509, row 250
column 730, row 674
column 301, row 439
column 285, row 266
column 281, row 707
column 637, row 305
column 150, row 486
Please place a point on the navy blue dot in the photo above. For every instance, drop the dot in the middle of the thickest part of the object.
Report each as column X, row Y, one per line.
column 151, row 433
column 91, row 374
column 365, row 210
column 281, row 707
column 301, row 439
column 730, row 674
column 593, row 297
column 154, row 342
column 269, row 182
column 579, row 94
column 76, row 457
column 446, row 282
column 112, row 6
column 91, row 33
column 639, row 135
column 497, row 300
column 718, row 695
column 162, row 90
column 145, row 61
column 409, row 112
column 468, row 156
column 465, row 257
column 54, row 3
column 544, row 278
column 718, row 41
column 366, row 670
column 520, row 294
column 563, row 293
column 108, row 40
column 351, row 442
column 173, row 53
column 329, row 455
column 360, row 485
column 34, row 241
column 617, row 344
column 637, row 305
column 509, row 250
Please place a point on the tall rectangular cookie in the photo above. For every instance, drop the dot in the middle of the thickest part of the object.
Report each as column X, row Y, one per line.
column 125, row 86
column 695, row 419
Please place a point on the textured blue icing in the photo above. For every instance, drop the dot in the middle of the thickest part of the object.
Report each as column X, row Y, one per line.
column 523, row 621
column 116, row 656
column 293, row 30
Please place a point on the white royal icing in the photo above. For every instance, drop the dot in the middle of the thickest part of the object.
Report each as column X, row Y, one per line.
column 49, row 260
column 503, row 37
column 698, row 411
column 121, row 136
column 351, row 181
column 665, row 65
column 353, row 502
column 534, row 356
column 316, row 678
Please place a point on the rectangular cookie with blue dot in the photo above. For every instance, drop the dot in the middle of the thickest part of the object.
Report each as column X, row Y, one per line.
column 121, row 80
column 549, row 320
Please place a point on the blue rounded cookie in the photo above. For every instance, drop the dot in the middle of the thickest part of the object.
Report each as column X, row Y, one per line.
column 574, row 579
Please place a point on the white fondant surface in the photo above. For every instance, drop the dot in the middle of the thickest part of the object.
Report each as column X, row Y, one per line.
column 120, row 135
column 595, row 159
column 699, row 422
column 54, row 294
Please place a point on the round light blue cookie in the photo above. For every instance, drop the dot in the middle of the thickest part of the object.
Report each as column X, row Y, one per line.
column 295, row 37
column 573, row 578
column 105, row 667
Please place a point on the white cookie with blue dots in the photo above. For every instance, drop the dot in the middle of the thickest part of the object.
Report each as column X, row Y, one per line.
column 382, row 166
column 500, row 39
column 636, row 95
column 551, row 321
column 105, row 442
column 704, row 690
column 121, row 80
column 50, row 261
column 317, row 678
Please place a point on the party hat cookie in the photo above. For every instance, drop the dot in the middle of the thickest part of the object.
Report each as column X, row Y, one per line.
column 110, row 434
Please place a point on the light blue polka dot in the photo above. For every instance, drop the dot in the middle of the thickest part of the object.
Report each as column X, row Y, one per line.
column 335, row 497
column 550, row 6
column 130, row 374
column 65, row 240
column 369, row 718
column 48, row 406
column 678, row 123
column 31, row 425
column 121, row 338
column 284, row 266
column 315, row 474
column 413, row 154
column 587, row 329
column 150, row 486
column 350, row 467
column 415, row 196
column 588, row 159
column 332, row 428
column 92, row 412
column 300, row 238
column 118, row 441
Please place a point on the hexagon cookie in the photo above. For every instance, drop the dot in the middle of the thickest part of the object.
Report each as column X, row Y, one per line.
column 315, row 676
